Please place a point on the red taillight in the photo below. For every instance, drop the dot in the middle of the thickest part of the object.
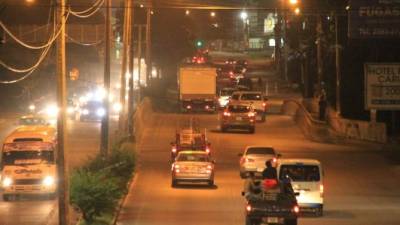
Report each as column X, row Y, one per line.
column 227, row 114
column 264, row 104
column 296, row 209
column 188, row 106
column 248, row 208
column 274, row 160
column 321, row 189
column 207, row 107
column 174, row 149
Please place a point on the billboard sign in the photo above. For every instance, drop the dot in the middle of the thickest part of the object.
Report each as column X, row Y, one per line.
column 382, row 86
column 374, row 19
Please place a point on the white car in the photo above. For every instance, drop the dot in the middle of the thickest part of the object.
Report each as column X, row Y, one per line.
column 306, row 176
column 253, row 98
column 193, row 166
column 224, row 96
column 254, row 158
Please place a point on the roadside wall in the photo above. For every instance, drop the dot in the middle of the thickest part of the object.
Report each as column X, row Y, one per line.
column 143, row 117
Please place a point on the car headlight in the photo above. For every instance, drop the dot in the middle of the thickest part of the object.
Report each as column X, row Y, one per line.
column 117, row 107
column 48, row 181
column 85, row 111
column 7, row 182
column 100, row 112
column 70, row 110
column 52, row 110
column 32, row 107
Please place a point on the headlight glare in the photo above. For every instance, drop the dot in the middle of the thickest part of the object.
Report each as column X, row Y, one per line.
column 7, row 182
column 48, row 181
column 101, row 112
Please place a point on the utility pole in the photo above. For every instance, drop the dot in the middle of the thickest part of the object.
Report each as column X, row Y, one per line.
column 338, row 70
column 278, row 37
column 107, row 70
column 139, row 54
column 122, row 115
column 131, row 79
column 319, row 53
column 62, row 165
column 148, row 45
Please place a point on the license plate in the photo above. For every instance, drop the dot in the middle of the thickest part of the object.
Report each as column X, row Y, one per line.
column 272, row 220
column 239, row 118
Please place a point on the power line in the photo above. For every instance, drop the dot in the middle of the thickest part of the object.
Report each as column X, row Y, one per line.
column 101, row 2
column 81, row 43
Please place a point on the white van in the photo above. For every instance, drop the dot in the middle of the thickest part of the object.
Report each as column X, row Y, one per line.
column 28, row 162
column 306, row 176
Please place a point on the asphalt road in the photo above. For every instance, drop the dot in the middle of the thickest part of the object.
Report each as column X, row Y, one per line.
column 82, row 143
column 361, row 186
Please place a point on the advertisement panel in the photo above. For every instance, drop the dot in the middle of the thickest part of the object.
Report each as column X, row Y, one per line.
column 374, row 19
column 382, row 86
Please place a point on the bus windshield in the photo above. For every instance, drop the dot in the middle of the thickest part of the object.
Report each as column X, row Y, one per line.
column 28, row 157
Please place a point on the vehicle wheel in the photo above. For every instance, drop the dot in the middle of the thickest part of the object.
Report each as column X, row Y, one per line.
column 251, row 221
column 211, row 183
column 320, row 211
column 291, row 221
column 263, row 117
column 7, row 197
column 252, row 130
column 174, row 183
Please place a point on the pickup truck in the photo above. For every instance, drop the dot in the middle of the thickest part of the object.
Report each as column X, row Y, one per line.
column 276, row 205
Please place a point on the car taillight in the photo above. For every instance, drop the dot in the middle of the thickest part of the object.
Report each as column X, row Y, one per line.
column 208, row 150
column 321, row 189
column 207, row 107
column 248, row 160
column 274, row 160
column 264, row 104
column 227, row 114
column 188, row 106
column 173, row 149
column 248, row 208
column 296, row 209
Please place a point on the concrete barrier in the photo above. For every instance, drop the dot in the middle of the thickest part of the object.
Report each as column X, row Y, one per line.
column 312, row 129
column 143, row 117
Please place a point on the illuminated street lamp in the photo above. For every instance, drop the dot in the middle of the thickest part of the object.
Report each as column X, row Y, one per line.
column 297, row 11
column 212, row 14
column 243, row 15
column 293, row 2
column 187, row 12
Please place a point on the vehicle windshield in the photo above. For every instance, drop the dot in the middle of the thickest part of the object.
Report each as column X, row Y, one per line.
column 255, row 97
column 27, row 157
column 32, row 121
column 239, row 108
column 193, row 158
column 226, row 92
column 301, row 173
column 93, row 104
column 260, row 151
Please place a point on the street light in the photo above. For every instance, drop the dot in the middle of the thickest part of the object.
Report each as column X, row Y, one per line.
column 297, row 11
column 187, row 12
column 212, row 14
column 293, row 2
column 243, row 15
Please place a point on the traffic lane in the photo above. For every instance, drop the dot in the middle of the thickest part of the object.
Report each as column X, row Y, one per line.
column 152, row 200
column 351, row 197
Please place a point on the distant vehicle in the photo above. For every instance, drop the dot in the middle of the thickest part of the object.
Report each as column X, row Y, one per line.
column 273, row 205
column 253, row 98
column 197, row 88
column 28, row 162
column 254, row 157
column 224, row 95
column 230, row 61
column 32, row 120
column 92, row 111
column 193, row 166
column 242, row 63
column 237, row 116
column 306, row 176
column 190, row 138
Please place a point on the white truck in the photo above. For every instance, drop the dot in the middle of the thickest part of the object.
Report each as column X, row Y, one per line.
column 28, row 162
column 197, row 88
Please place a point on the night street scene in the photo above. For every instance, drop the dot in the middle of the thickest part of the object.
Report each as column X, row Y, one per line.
column 200, row 112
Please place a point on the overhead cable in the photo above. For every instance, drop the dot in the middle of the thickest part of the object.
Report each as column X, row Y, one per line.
column 99, row 2
column 90, row 14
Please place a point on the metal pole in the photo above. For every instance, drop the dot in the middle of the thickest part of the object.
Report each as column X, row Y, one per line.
column 338, row 71
column 285, row 46
column 139, row 52
column 278, row 36
column 319, row 52
column 148, row 46
column 131, row 71
column 122, row 122
column 62, row 158
column 107, row 70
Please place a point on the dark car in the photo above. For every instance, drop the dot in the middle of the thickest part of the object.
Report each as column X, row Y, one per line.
column 92, row 111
